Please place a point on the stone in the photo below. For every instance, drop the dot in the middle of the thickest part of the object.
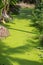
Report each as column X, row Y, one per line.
column 3, row 32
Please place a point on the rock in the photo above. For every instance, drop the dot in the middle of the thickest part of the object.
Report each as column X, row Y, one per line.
column 3, row 32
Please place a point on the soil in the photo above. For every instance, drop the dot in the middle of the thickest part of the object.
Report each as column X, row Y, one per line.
column 25, row 5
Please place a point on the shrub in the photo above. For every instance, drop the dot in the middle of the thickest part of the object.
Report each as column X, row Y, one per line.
column 38, row 19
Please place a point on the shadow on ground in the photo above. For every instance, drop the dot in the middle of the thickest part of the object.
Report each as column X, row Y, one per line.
column 22, row 30
column 25, row 13
column 6, row 51
column 25, row 62
column 5, row 58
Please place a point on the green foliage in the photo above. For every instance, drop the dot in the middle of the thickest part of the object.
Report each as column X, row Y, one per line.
column 41, row 39
column 38, row 19
column 38, row 16
column 7, row 1
column 1, row 4
column 13, row 9
column 13, row 2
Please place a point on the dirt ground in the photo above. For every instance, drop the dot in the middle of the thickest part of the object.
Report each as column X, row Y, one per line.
column 25, row 5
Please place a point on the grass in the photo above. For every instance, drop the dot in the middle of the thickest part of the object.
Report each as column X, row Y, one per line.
column 21, row 47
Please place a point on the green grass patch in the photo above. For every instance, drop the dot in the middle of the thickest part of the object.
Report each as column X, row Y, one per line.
column 20, row 48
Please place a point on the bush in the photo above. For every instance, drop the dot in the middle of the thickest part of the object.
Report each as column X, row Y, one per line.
column 38, row 19
column 14, row 9
column 41, row 39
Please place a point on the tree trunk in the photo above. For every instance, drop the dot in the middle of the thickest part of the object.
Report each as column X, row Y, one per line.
column 4, row 11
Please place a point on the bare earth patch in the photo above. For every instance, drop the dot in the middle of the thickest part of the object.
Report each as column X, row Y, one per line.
column 25, row 5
